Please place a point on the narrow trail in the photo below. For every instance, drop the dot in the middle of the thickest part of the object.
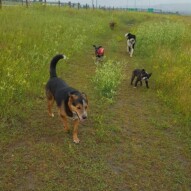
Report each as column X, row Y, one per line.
column 150, row 155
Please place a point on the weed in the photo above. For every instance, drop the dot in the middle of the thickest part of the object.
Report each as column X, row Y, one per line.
column 165, row 44
column 108, row 77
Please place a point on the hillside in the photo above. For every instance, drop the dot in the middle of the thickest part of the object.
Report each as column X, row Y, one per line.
column 136, row 139
column 182, row 8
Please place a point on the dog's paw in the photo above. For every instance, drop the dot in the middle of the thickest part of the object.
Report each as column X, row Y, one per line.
column 76, row 140
column 134, row 87
column 66, row 130
column 51, row 114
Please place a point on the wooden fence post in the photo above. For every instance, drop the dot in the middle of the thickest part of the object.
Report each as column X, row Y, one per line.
column 69, row 4
column 27, row 4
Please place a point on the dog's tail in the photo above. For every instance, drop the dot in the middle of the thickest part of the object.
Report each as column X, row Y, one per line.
column 53, row 63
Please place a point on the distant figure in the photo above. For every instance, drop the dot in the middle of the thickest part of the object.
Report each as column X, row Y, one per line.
column 112, row 25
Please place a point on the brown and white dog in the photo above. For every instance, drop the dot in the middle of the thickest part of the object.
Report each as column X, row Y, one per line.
column 70, row 102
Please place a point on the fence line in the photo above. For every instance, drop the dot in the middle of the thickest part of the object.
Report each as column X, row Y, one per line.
column 59, row 3
column 27, row 3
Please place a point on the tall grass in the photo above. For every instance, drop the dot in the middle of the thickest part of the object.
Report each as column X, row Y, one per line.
column 166, row 47
column 108, row 78
column 29, row 39
column 159, row 35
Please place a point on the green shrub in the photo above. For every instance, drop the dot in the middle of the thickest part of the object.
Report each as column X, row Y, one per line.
column 108, row 77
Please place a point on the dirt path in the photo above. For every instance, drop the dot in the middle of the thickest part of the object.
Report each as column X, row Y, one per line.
column 150, row 156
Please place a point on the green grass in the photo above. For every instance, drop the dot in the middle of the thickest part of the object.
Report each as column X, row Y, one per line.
column 138, row 140
column 165, row 45
column 28, row 48
column 108, row 76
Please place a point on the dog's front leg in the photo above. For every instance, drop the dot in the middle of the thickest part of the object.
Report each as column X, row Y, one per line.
column 64, row 119
column 147, row 84
column 128, row 47
column 131, row 53
column 136, row 82
column 75, row 131
column 50, row 104
column 132, row 79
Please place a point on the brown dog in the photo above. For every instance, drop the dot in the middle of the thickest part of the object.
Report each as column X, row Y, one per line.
column 70, row 102
column 112, row 25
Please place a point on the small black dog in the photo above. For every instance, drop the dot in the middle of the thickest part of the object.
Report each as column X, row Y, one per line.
column 99, row 51
column 141, row 74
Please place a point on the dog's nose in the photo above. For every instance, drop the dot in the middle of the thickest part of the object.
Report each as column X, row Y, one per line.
column 84, row 117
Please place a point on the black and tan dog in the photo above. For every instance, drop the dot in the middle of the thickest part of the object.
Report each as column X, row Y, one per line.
column 70, row 102
column 141, row 74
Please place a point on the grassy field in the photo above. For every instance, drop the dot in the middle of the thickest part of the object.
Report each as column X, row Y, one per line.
column 134, row 139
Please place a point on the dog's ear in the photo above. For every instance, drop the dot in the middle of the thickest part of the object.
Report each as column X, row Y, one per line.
column 72, row 97
column 85, row 96
column 143, row 71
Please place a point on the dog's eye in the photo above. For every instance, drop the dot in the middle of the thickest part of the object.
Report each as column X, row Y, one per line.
column 78, row 107
column 86, row 107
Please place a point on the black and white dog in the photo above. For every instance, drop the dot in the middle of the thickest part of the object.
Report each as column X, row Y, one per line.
column 131, row 40
column 141, row 74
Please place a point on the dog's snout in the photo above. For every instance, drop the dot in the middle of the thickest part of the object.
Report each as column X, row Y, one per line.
column 84, row 117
